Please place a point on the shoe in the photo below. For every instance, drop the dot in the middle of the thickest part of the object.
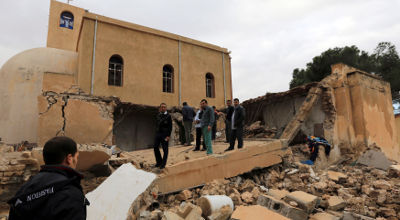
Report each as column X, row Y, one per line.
column 157, row 165
column 203, row 149
column 228, row 149
column 196, row 149
column 162, row 166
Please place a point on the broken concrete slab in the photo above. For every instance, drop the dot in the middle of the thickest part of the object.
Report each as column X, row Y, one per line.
column 375, row 158
column 199, row 171
column 305, row 200
column 113, row 198
column 255, row 212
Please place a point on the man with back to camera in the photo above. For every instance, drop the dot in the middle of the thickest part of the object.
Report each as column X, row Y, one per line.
column 228, row 124
column 188, row 114
column 163, row 133
column 55, row 192
column 237, row 125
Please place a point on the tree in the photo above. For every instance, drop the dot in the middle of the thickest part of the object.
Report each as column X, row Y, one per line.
column 384, row 62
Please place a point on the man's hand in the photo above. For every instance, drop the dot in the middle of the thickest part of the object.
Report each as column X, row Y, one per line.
column 209, row 128
column 167, row 139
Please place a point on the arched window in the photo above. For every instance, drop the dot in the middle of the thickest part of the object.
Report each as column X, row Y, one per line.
column 115, row 70
column 168, row 78
column 210, row 91
column 67, row 20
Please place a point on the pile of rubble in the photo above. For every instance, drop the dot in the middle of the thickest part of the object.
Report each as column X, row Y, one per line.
column 258, row 130
column 296, row 191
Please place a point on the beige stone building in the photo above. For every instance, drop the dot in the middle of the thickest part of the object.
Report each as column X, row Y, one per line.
column 96, row 56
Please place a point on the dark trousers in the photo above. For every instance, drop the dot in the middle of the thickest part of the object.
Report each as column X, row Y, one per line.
column 214, row 131
column 236, row 134
column 198, row 139
column 228, row 130
column 160, row 139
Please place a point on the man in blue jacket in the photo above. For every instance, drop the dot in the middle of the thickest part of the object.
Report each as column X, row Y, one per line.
column 55, row 192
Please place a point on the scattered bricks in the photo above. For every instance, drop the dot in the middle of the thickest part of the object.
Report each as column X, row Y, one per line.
column 277, row 194
column 394, row 171
column 336, row 203
column 382, row 184
column 184, row 195
column 323, row 216
column 281, row 207
column 247, row 197
column 336, row 176
column 306, row 201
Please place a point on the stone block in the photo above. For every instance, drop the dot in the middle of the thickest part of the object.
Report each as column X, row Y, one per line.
column 306, row 201
column 278, row 194
column 336, row 176
column 281, row 207
column 382, row 184
column 336, row 203
column 255, row 212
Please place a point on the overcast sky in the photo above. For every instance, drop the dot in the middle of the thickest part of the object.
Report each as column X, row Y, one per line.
column 268, row 39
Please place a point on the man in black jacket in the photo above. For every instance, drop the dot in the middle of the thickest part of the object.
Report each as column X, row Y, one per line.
column 55, row 192
column 237, row 125
column 163, row 133
column 228, row 124
column 188, row 115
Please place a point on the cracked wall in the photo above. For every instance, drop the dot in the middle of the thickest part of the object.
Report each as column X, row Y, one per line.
column 65, row 110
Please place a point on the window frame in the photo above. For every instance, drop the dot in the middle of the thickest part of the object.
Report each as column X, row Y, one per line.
column 168, row 79
column 113, row 71
column 210, row 85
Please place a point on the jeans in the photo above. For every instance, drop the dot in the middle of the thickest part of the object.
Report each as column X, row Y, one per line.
column 207, row 139
column 160, row 139
column 198, row 139
column 188, row 131
column 236, row 133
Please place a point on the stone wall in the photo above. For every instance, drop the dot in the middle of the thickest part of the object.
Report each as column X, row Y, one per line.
column 15, row 169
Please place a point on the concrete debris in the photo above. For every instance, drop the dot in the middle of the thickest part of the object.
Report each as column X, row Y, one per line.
column 113, row 198
column 336, row 203
column 255, row 212
column 257, row 130
column 304, row 200
column 375, row 158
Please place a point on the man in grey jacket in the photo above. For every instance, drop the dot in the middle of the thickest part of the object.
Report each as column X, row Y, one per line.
column 207, row 121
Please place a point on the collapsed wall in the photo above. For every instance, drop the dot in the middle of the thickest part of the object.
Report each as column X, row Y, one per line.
column 353, row 112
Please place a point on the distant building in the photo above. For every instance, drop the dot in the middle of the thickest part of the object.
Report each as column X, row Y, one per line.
column 107, row 57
